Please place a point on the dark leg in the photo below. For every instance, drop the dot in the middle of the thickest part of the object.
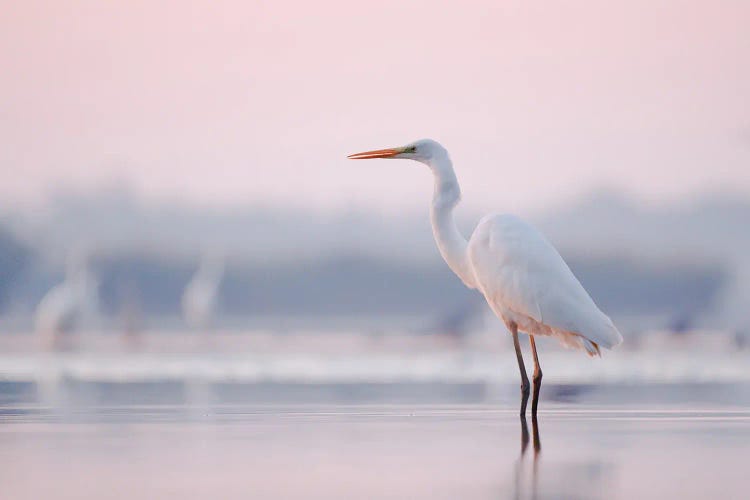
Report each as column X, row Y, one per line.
column 537, row 377
column 522, row 367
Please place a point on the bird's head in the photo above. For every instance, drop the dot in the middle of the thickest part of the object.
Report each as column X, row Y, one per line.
column 423, row 150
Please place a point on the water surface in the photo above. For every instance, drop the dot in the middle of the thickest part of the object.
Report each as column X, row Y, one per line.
column 374, row 451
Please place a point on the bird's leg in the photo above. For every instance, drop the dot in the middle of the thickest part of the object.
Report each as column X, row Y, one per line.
column 522, row 368
column 537, row 378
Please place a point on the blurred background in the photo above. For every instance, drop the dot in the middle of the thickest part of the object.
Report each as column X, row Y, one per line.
column 178, row 220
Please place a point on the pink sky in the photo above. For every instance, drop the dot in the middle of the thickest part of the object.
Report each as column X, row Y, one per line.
column 234, row 102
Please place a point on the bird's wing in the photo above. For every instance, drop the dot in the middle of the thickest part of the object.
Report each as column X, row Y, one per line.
column 517, row 268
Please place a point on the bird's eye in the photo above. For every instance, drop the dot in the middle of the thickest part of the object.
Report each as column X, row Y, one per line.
column 412, row 149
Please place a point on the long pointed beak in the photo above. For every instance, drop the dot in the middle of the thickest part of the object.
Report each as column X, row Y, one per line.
column 378, row 153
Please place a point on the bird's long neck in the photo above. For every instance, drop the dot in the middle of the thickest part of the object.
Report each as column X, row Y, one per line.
column 450, row 241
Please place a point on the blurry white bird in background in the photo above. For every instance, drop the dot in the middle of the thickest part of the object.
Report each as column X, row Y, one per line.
column 70, row 305
column 200, row 297
column 523, row 278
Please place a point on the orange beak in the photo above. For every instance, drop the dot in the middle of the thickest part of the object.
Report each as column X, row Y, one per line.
column 378, row 153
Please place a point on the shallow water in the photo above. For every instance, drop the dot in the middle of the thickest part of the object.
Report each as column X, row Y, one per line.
column 331, row 417
column 375, row 451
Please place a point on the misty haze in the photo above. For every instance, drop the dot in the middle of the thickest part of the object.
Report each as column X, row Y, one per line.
column 233, row 264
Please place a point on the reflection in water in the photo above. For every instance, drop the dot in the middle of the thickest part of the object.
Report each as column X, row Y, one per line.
column 436, row 452
column 574, row 478
column 519, row 480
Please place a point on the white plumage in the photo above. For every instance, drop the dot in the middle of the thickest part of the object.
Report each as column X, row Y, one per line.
column 59, row 310
column 67, row 305
column 200, row 296
column 527, row 282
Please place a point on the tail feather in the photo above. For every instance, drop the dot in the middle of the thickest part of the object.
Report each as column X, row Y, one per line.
column 592, row 348
column 576, row 341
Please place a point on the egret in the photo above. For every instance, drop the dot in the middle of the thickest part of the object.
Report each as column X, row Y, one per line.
column 199, row 297
column 65, row 306
column 525, row 281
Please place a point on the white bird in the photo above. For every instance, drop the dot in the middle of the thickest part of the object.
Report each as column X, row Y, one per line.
column 65, row 306
column 200, row 296
column 524, row 279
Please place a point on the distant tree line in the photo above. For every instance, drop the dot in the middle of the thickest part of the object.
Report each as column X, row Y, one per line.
column 354, row 284
column 15, row 260
column 344, row 284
